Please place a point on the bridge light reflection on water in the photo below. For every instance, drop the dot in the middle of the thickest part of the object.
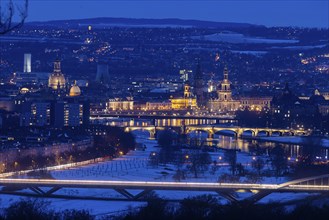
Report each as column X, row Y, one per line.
column 228, row 141
column 219, row 140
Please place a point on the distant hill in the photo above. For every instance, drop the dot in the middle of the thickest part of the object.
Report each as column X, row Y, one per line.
column 169, row 22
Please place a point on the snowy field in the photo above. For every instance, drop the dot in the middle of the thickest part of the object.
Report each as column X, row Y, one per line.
column 250, row 52
column 134, row 166
column 308, row 47
column 236, row 38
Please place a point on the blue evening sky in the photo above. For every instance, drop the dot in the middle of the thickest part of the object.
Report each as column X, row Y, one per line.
column 305, row 13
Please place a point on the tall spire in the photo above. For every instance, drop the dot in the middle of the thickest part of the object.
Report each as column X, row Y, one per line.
column 198, row 85
column 198, row 74
column 187, row 90
column 225, row 73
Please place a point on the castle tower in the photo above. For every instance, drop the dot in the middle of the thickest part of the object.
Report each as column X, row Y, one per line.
column 198, row 86
column 27, row 63
column 225, row 93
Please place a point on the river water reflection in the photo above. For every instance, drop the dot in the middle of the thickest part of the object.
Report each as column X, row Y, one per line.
column 246, row 144
column 226, row 141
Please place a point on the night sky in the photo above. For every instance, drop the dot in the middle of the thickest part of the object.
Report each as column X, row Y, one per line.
column 305, row 13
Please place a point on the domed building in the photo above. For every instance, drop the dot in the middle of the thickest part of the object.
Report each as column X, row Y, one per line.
column 24, row 90
column 75, row 90
column 57, row 80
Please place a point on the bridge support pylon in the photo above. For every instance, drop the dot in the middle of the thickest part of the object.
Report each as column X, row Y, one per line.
column 152, row 135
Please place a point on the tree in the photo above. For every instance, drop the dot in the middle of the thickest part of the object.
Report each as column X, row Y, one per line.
column 199, row 162
column 8, row 15
column 166, row 138
column 168, row 152
column 28, row 209
column 115, row 140
column 240, row 169
column 77, row 215
column 278, row 159
column 154, row 159
column 200, row 207
column 127, row 141
column 179, row 175
column 231, row 159
column 156, row 208
column 257, row 150
column 258, row 164
column 214, row 167
column 228, row 178
column 311, row 147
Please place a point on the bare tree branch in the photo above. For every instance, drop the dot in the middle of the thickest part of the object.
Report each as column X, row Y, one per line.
column 7, row 14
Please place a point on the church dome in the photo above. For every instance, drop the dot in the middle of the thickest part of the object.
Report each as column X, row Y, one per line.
column 57, row 79
column 24, row 90
column 75, row 90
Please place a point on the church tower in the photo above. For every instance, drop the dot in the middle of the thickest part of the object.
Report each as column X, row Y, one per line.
column 187, row 90
column 225, row 93
column 198, row 86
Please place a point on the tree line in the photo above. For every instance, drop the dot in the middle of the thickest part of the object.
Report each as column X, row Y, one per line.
column 193, row 208
column 110, row 144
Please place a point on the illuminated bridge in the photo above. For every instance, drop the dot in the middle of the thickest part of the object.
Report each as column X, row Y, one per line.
column 148, row 115
column 213, row 129
column 51, row 188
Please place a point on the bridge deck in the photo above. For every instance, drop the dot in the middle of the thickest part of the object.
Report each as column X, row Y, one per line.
column 186, row 186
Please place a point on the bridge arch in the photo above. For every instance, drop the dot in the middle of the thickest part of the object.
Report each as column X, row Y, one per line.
column 277, row 133
column 264, row 133
column 227, row 132
column 150, row 130
column 251, row 131
column 208, row 131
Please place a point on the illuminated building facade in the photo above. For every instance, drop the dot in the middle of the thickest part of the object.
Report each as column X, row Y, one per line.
column 73, row 114
column 120, row 104
column 55, row 113
column 224, row 102
column 35, row 114
column 255, row 103
column 158, row 106
column 188, row 101
column 70, row 112
column 185, row 75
